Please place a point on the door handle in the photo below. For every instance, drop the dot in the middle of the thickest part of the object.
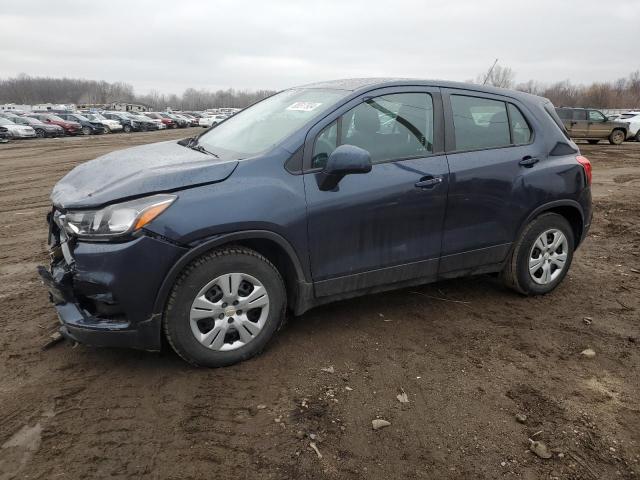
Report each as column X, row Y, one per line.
column 429, row 182
column 529, row 161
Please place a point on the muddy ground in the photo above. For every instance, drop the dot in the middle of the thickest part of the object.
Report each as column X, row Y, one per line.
column 469, row 354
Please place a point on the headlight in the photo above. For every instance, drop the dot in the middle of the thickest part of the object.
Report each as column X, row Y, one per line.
column 115, row 220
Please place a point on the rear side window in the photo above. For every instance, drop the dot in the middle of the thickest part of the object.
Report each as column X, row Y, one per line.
column 479, row 123
column 553, row 113
column 579, row 115
column 565, row 113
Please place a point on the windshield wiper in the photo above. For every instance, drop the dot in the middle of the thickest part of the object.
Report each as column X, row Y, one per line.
column 192, row 143
column 201, row 149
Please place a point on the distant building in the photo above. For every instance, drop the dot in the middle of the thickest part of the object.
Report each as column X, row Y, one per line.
column 54, row 106
column 10, row 107
column 127, row 107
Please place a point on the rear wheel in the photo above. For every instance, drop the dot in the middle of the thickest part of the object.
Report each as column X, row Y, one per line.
column 541, row 257
column 107, row 129
column 225, row 307
column 616, row 137
column 126, row 128
column 593, row 142
column 40, row 133
column 86, row 131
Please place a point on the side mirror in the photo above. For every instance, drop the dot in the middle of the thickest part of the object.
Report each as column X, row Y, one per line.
column 344, row 160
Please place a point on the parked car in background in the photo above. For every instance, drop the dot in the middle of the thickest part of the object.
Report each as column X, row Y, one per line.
column 88, row 127
column 109, row 125
column 210, row 121
column 162, row 240
column 169, row 122
column 592, row 125
column 142, row 117
column 17, row 131
column 9, row 115
column 181, row 122
column 193, row 121
column 70, row 127
column 42, row 129
column 128, row 124
column 633, row 119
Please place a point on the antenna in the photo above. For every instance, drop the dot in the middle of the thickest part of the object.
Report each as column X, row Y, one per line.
column 489, row 72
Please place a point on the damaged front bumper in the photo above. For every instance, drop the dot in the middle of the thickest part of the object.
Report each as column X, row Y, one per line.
column 104, row 293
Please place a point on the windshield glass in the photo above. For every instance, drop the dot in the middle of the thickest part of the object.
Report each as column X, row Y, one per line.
column 262, row 126
column 80, row 118
column 55, row 118
column 95, row 116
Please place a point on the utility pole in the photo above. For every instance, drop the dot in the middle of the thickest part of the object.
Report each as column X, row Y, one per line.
column 489, row 72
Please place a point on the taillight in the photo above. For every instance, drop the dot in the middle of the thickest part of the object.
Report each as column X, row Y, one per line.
column 586, row 164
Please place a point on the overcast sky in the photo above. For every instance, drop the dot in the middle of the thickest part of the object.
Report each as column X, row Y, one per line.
column 169, row 45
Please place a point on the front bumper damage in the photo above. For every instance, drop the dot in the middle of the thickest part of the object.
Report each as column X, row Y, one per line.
column 104, row 293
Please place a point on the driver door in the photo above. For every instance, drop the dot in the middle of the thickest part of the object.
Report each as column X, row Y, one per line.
column 385, row 226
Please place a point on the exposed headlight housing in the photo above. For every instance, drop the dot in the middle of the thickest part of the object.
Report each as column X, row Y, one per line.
column 115, row 220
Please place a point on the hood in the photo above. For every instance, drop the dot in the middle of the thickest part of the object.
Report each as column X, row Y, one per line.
column 143, row 170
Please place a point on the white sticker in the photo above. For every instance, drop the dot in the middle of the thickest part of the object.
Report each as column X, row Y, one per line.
column 303, row 106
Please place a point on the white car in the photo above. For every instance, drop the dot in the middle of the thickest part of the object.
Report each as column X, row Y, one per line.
column 110, row 125
column 17, row 131
column 207, row 122
column 633, row 119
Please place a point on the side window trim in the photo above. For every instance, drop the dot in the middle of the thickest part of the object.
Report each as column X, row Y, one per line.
column 438, row 120
column 449, row 134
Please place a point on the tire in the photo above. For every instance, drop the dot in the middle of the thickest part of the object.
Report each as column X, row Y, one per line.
column 516, row 273
column 86, row 131
column 616, row 137
column 107, row 130
column 637, row 137
column 183, row 319
column 126, row 128
column 40, row 133
column 593, row 142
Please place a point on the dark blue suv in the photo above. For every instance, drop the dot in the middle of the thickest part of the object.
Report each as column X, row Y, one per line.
column 318, row 193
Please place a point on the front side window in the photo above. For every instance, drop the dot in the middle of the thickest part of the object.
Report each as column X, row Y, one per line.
column 479, row 123
column 596, row 116
column 389, row 127
column 259, row 128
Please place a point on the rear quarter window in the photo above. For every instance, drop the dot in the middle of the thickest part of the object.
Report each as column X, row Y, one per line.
column 553, row 113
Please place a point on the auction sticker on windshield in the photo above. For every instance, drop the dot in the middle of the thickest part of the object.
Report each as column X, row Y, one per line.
column 303, row 106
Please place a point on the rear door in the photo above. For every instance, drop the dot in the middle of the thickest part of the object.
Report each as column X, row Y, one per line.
column 385, row 226
column 490, row 147
column 579, row 124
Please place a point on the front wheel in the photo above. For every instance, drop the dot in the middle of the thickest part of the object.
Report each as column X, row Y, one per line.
column 541, row 257
column 638, row 135
column 86, row 131
column 40, row 133
column 225, row 307
column 616, row 137
column 126, row 128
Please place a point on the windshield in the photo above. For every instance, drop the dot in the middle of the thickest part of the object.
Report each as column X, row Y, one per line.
column 95, row 117
column 262, row 126
column 81, row 118
column 55, row 118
